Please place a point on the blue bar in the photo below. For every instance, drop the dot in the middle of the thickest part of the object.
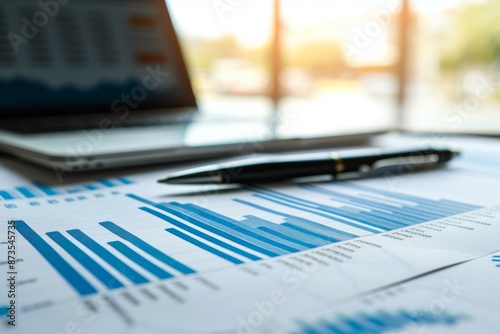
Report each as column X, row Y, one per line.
column 435, row 204
column 6, row 195
column 404, row 209
column 285, row 197
column 373, row 320
column 256, row 222
column 27, row 192
column 364, row 322
column 219, row 228
column 416, row 212
column 342, row 198
column 247, row 230
column 368, row 219
column 74, row 191
column 124, row 180
column 280, row 198
column 201, row 234
column 440, row 210
column 311, row 233
column 458, row 205
column 392, row 320
column 363, row 218
column 140, row 260
column 282, row 232
column 4, row 310
column 299, row 238
column 336, row 234
column 398, row 218
column 429, row 215
column 420, row 216
column 223, row 231
column 204, row 246
column 219, row 231
column 381, row 322
column 220, row 225
column 377, row 210
column 285, row 240
column 46, row 189
column 79, row 283
column 300, row 202
column 337, row 218
column 285, row 237
column 278, row 232
column 356, row 323
column 339, row 328
column 107, row 183
column 107, row 256
column 95, row 268
column 91, row 187
column 414, row 319
column 142, row 200
column 348, row 199
column 147, row 248
column 235, row 226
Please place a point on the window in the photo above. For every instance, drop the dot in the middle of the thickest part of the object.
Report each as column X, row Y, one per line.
column 422, row 64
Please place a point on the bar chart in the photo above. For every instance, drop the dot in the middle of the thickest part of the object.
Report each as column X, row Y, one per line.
column 496, row 260
column 55, row 201
column 80, row 248
column 370, row 211
column 40, row 189
column 256, row 224
column 382, row 322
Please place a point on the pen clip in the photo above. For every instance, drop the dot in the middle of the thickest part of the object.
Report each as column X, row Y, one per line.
column 400, row 161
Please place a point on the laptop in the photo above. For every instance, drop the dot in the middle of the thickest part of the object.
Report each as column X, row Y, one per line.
column 95, row 84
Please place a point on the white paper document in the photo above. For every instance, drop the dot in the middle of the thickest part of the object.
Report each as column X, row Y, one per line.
column 124, row 254
column 463, row 299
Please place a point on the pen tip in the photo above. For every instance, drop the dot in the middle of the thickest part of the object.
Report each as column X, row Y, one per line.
column 195, row 177
column 173, row 180
column 455, row 153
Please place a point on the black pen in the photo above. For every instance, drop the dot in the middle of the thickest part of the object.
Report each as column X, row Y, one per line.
column 356, row 163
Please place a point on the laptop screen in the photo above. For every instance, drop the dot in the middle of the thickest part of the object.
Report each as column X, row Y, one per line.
column 84, row 56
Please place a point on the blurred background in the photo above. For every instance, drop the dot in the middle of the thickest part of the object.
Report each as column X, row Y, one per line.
column 415, row 64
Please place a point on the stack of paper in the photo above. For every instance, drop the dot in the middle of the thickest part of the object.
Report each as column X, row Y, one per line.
column 127, row 255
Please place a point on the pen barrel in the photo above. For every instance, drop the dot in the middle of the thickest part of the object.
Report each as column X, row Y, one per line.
column 277, row 171
column 356, row 162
